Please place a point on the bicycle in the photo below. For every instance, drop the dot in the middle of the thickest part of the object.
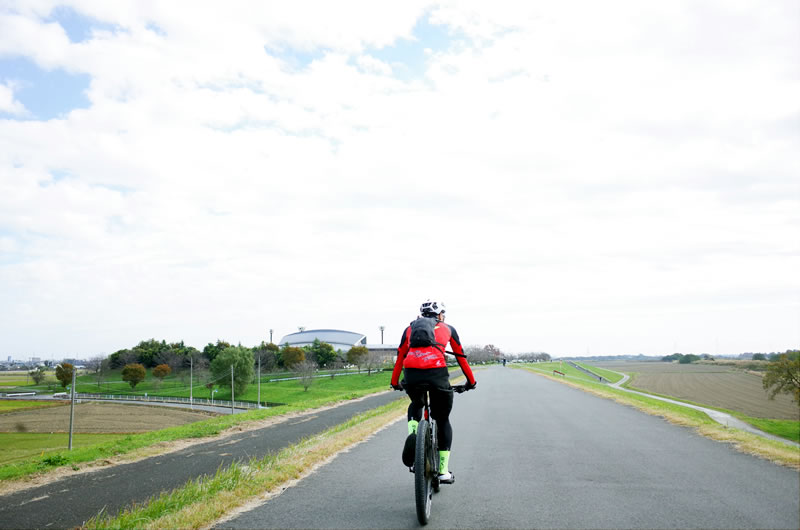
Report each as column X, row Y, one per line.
column 426, row 457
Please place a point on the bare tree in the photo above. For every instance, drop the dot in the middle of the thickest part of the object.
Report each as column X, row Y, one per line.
column 373, row 361
column 95, row 364
column 305, row 371
column 171, row 358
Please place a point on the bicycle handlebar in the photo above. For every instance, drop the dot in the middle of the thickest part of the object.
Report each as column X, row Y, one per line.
column 459, row 389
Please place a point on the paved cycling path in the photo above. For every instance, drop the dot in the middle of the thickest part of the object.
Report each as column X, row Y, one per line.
column 71, row 501
column 530, row 452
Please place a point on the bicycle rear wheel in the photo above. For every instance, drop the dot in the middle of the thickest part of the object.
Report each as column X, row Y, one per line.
column 423, row 474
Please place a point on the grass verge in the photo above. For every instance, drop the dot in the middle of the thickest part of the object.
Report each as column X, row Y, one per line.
column 205, row 500
column 743, row 441
column 608, row 375
column 789, row 429
column 16, row 446
column 210, row 427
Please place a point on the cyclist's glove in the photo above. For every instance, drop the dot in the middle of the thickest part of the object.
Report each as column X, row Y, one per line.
column 470, row 386
column 397, row 387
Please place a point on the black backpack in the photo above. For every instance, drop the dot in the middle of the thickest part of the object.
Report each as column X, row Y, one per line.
column 422, row 334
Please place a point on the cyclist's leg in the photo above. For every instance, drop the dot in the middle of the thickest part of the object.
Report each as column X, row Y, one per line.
column 414, row 408
column 414, row 416
column 441, row 405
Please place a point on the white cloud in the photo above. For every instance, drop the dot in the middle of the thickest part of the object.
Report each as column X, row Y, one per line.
column 564, row 177
column 8, row 102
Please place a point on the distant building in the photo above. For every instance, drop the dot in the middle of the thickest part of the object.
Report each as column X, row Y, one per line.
column 339, row 339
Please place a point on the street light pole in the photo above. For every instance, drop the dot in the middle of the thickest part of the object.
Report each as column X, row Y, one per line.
column 259, row 380
column 232, row 397
column 191, row 375
column 270, row 336
column 72, row 408
column 382, row 328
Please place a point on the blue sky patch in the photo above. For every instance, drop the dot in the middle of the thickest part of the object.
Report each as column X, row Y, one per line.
column 296, row 60
column 45, row 94
column 78, row 27
column 407, row 57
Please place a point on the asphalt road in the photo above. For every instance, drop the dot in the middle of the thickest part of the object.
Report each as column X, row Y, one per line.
column 71, row 501
column 532, row 453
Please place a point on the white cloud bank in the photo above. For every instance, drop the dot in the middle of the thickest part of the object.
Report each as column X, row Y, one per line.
column 612, row 178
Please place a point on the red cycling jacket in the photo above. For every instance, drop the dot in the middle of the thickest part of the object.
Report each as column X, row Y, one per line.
column 430, row 357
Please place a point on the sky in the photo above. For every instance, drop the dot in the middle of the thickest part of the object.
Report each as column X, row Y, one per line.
column 575, row 177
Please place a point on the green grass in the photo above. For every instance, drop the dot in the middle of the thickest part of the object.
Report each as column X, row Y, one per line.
column 21, row 446
column 324, row 391
column 566, row 369
column 789, row 429
column 606, row 374
column 15, row 405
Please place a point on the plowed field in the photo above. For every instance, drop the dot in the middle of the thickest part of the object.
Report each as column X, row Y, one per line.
column 98, row 418
column 718, row 386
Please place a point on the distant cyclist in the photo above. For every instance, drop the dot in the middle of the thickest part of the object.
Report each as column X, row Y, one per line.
column 421, row 358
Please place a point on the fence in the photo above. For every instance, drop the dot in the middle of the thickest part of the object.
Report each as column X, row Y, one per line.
column 194, row 401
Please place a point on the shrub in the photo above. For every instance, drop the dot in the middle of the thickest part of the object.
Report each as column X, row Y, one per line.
column 134, row 374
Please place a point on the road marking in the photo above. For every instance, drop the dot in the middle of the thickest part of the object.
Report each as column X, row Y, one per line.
column 34, row 500
column 230, row 443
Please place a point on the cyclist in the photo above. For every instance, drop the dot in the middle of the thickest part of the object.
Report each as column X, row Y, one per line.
column 426, row 364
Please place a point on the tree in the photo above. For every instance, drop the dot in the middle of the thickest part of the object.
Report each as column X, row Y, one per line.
column 783, row 376
column 171, row 357
column 373, row 360
column 241, row 359
column 64, row 373
column 38, row 375
column 148, row 350
column 323, row 352
column 292, row 355
column 357, row 355
column 493, row 352
column 688, row 358
column 267, row 353
column 306, row 370
column 212, row 350
column 134, row 374
column 759, row 356
column 95, row 364
column 161, row 371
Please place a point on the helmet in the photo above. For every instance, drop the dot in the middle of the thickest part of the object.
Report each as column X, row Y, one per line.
column 431, row 308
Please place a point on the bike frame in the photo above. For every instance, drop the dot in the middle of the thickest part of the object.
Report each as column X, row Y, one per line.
column 426, row 458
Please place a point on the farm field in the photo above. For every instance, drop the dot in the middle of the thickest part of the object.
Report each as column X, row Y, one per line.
column 12, row 379
column 97, row 418
column 717, row 386
column 13, row 405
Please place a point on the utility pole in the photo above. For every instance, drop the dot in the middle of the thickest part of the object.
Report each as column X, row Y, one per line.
column 191, row 375
column 232, row 389
column 270, row 336
column 72, row 408
column 259, row 378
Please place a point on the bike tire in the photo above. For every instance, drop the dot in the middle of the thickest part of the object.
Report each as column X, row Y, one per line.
column 434, row 455
column 423, row 474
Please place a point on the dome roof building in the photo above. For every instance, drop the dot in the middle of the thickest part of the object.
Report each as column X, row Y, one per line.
column 339, row 339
